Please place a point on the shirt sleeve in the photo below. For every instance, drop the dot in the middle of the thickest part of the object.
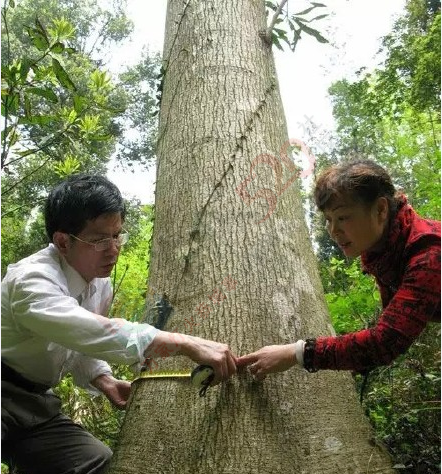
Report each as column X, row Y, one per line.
column 39, row 305
column 84, row 369
column 401, row 322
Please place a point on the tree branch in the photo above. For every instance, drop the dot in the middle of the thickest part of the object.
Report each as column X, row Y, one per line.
column 91, row 49
column 13, row 211
column 25, row 177
column 268, row 34
column 8, row 62
column 44, row 146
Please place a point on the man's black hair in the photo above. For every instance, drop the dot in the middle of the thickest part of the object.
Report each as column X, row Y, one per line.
column 80, row 198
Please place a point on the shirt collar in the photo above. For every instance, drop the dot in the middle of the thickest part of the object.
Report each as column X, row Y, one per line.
column 77, row 285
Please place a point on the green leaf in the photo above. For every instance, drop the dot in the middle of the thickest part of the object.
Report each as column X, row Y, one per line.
column 13, row 138
column 279, row 31
column 271, row 5
column 72, row 116
column 100, row 79
column 39, row 41
column 304, row 20
column 296, row 38
column 66, row 167
column 62, row 75
column 26, row 152
column 100, row 138
column 12, row 3
column 312, row 32
column 27, row 107
column 319, row 17
column 275, row 41
column 41, row 29
column 6, row 132
column 46, row 93
column 79, row 102
column 62, row 29
column 90, row 124
column 10, row 102
column 36, row 120
column 24, row 68
column 11, row 134
column 5, row 73
column 304, row 12
column 57, row 48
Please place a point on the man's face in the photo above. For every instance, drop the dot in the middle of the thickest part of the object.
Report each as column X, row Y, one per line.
column 83, row 257
column 355, row 227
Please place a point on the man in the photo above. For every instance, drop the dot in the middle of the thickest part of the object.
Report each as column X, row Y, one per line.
column 54, row 306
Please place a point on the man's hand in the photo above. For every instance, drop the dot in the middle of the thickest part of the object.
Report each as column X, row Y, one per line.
column 202, row 351
column 212, row 353
column 117, row 391
column 269, row 359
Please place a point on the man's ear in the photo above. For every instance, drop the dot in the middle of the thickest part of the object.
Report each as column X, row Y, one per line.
column 62, row 242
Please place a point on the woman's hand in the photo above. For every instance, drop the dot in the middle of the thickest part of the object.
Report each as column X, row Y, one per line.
column 269, row 359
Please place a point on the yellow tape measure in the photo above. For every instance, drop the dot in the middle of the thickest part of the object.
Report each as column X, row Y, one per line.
column 163, row 375
column 200, row 377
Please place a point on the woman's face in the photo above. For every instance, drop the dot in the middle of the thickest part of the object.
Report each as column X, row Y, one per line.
column 354, row 226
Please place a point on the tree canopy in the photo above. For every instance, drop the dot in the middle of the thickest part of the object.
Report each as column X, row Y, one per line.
column 63, row 110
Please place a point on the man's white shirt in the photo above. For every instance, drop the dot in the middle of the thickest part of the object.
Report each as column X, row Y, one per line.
column 54, row 322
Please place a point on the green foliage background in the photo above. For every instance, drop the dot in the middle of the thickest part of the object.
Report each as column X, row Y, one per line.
column 391, row 115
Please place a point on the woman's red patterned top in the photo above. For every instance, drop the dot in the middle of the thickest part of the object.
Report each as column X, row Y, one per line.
column 408, row 275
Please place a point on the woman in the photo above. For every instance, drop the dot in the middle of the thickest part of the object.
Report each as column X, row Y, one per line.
column 366, row 217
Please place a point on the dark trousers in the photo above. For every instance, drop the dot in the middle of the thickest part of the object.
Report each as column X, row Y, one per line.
column 38, row 439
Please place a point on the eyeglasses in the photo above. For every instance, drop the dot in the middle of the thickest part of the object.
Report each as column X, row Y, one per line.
column 102, row 245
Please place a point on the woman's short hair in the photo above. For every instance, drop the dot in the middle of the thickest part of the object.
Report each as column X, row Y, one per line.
column 362, row 180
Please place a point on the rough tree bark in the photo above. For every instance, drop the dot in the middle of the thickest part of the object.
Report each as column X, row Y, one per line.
column 233, row 275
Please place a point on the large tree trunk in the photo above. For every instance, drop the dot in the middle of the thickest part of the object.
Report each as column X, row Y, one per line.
column 257, row 276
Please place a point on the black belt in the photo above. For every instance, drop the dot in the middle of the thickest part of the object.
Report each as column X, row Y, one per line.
column 12, row 376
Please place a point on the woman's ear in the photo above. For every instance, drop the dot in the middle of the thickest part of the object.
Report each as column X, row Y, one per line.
column 62, row 242
column 383, row 209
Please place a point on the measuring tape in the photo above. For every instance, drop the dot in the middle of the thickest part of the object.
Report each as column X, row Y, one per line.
column 200, row 377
